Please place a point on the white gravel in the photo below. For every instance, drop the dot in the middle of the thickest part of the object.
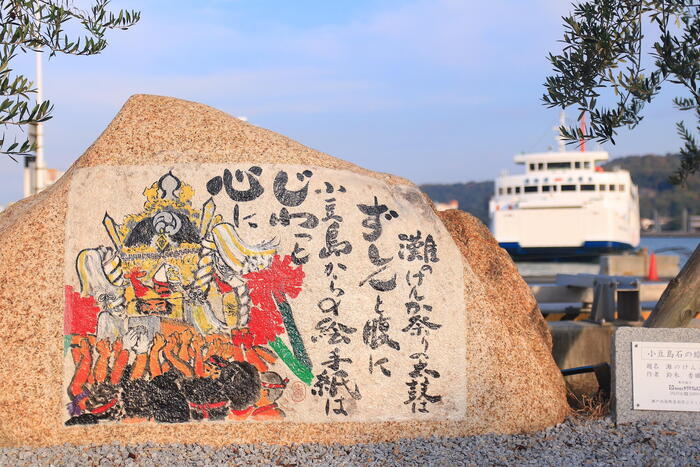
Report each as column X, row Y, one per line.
column 575, row 442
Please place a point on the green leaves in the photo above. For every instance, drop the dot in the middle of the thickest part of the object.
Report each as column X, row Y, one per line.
column 689, row 154
column 602, row 62
column 27, row 25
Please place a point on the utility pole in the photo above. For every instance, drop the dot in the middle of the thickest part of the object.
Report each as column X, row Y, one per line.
column 657, row 225
column 560, row 138
column 39, row 128
column 34, row 169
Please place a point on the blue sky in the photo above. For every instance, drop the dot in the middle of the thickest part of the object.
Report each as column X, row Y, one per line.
column 437, row 91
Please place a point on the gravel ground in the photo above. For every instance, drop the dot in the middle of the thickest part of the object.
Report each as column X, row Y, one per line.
column 575, row 442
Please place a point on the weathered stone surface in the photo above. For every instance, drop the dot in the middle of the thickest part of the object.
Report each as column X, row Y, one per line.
column 508, row 343
column 140, row 192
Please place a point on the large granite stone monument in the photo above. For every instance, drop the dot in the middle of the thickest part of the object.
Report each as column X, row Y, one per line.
column 193, row 278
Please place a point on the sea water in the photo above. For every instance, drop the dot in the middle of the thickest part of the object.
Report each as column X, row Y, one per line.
column 681, row 246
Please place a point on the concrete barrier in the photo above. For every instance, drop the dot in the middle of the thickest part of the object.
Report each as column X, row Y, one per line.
column 581, row 343
column 667, row 266
column 554, row 293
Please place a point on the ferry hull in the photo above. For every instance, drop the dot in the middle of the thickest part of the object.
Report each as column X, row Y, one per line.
column 586, row 250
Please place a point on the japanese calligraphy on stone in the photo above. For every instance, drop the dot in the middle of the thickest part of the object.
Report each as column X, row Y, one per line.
column 253, row 292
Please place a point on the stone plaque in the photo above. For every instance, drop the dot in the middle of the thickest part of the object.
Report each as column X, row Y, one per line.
column 251, row 292
column 654, row 374
column 666, row 376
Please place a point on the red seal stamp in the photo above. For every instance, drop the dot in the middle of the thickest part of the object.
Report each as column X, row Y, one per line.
column 298, row 391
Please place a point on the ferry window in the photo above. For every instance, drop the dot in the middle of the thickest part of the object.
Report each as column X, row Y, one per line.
column 546, row 187
column 510, row 190
column 517, row 189
column 500, row 191
column 540, row 166
column 554, row 187
column 601, row 187
column 577, row 165
column 612, row 187
column 622, row 187
column 558, row 165
column 568, row 188
column 531, row 189
column 586, row 165
column 587, row 187
column 532, row 166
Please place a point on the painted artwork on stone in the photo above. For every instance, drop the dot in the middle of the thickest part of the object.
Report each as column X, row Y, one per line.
column 245, row 295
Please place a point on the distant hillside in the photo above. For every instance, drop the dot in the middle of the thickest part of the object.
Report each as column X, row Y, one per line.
column 473, row 197
column 650, row 173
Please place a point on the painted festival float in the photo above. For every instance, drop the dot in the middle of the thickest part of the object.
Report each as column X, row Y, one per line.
column 176, row 317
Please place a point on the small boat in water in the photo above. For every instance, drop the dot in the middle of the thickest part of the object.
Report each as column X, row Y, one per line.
column 565, row 206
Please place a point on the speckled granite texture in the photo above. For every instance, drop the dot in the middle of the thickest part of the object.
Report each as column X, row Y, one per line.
column 513, row 384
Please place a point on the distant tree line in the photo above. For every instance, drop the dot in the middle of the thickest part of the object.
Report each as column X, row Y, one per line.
column 649, row 173
column 473, row 197
column 656, row 192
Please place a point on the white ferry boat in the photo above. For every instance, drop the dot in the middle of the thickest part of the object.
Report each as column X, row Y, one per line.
column 564, row 205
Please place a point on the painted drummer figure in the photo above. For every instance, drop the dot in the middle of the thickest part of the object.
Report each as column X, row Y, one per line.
column 266, row 408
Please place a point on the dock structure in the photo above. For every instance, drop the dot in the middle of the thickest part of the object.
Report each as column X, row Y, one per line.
column 571, row 297
column 584, row 310
column 563, row 302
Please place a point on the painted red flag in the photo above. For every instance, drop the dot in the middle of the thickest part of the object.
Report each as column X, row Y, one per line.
column 80, row 314
column 267, row 288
